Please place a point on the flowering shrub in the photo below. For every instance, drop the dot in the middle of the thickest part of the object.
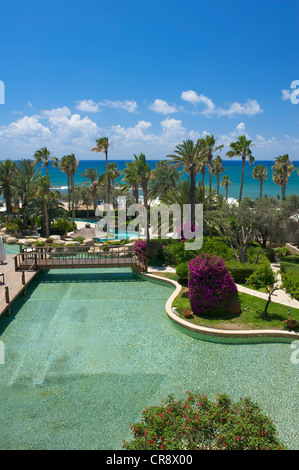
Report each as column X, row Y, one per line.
column 140, row 249
column 187, row 312
column 291, row 324
column 211, row 287
column 200, row 424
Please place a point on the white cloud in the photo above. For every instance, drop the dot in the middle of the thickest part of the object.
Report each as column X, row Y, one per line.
column 162, row 107
column 241, row 128
column 249, row 108
column 126, row 105
column 192, row 97
column 131, row 134
column 25, row 127
column 87, row 106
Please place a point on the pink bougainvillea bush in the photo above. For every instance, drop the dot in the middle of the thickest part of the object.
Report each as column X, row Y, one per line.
column 140, row 249
column 211, row 287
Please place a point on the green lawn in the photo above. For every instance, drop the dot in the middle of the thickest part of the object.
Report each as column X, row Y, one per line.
column 251, row 318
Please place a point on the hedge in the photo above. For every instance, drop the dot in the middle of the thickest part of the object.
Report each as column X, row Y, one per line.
column 290, row 282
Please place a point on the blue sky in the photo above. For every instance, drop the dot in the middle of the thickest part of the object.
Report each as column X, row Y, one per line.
column 148, row 74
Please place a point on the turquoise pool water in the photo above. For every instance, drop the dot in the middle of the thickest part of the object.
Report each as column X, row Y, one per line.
column 86, row 351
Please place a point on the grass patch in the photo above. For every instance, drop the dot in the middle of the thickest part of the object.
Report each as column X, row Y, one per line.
column 250, row 317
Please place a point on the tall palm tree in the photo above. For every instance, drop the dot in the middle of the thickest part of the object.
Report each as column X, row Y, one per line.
column 186, row 156
column 217, row 169
column 241, row 148
column 45, row 204
column 113, row 175
column 260, row 173
column 210, row 144
column 131, row 179
column 8, row 173
column 27, row 174
column 43, row 193
column 282, row 170
column 102, row 145
column 144, row 173
column 91, row 174
column 226, row 183
column 212, row 218
column 69, row 165
column 163, row 179
column 44, row 156
column 65, row 167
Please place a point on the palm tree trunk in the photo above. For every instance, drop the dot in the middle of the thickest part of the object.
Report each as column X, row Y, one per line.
column 203, row 171
column 47, row 168
column 218, row 185
column 107, row 178
column 73, row 199
column 47, row 228
column 192, row 194
column 226, row 192
column 242, row 180
column 261, row 188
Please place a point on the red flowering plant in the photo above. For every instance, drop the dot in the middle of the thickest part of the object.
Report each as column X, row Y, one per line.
column 198, row 423
column 211, row 286
column 291, row 324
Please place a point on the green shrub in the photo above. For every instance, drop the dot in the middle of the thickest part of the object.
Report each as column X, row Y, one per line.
column 269, row 253
column 197, row 423
column 290, row 282
column 240, row 271
column 19, row 222
column 182, row 270
column 11, row 227
column 79, row 239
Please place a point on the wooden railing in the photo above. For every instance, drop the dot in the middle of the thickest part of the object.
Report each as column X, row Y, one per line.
column 79, row 257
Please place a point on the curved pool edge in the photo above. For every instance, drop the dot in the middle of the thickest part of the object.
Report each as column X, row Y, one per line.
column 216, row 334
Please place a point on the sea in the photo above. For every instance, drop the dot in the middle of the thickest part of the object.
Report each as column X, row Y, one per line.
column 233, row 169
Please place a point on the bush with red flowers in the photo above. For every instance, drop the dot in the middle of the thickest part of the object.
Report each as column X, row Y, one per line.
column 211, row 287
column 198, row 423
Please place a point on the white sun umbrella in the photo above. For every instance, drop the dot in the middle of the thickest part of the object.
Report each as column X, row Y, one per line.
column 2, row 251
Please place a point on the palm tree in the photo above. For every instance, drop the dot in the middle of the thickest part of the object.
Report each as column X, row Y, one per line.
column 68, row 164
column 186, row 156
column 91, row 174
column 163, row 179
column 210, row 144
column 102, row 146
column 44, row 156
column 113, row 175
column 241, row 148
column 8, row 173
column 45, row 204
column 131, row 178
column 282, row 170
column 27, row 174
column 144, row 174
column 217, row 169
column 260, row 173
column 226, row 183
column 212, row 218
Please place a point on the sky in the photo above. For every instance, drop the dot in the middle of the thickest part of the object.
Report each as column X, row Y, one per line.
column 148, row 75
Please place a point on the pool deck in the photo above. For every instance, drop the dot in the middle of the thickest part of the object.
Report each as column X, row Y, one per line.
column 15, row 283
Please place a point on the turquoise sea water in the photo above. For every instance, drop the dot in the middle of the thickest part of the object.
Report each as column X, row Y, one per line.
column 233, row 169
column 86, row 351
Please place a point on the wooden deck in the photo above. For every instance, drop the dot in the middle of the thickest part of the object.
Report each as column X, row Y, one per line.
column 15, row 283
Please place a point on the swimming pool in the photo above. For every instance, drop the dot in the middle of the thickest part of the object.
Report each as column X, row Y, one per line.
column 87, row 350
